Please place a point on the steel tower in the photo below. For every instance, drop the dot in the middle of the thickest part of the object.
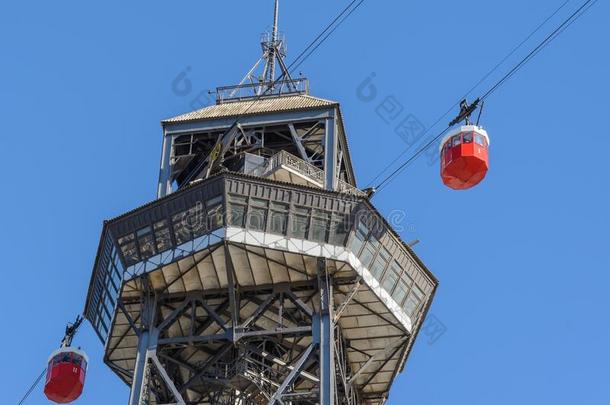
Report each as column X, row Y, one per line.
column 261, row 274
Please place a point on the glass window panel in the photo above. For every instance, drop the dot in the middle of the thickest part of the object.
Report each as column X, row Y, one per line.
column 116, row 277
column 112, row 283
column 257, row 218
column 456, row 140
column 413, row 301
column 106, row 318
column 359, row 238
column 126, row 238
column 338, row 231
column 380, row 264
column 300, row 225
column 116, row 259
column 367, row 255
column 279, row 207
column 279, row 222
column 213, row 201
column 147, row 246
column 302, row 211
column 181, row 232
column 357, row 244
column 279, row 218
column 143, row 231
column 478, row 139
column 257, row 202
column 237, row 214
column 161, row 224
column 362, row 229
column 396, row 268
column 319, row 225
column 108, row 302
column 468, row 137
column 130, row 253
column 389, row 281
column 238, row 199
column 374, row 243
column 401, row 292
column 369, row 251
column 318, row 230
column 164, row 239
column 214, row 220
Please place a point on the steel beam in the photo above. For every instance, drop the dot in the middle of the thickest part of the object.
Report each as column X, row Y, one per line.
column 296, row 369
column 298, row 142
column 168, row 381
column 146, row 340
column 324, row 336
column 165, row 183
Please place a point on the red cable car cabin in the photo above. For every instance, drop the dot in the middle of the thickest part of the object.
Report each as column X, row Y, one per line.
column 464, row 157
column 66, row 375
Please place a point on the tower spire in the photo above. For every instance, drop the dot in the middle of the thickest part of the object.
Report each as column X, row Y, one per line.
column 274, row 40
column 274, row 52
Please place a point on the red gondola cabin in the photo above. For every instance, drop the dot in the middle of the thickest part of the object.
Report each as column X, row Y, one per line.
column 464, row 157
column 66, row 375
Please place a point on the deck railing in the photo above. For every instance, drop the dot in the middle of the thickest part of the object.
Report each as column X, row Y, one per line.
column 255, row 90
column 308, row 170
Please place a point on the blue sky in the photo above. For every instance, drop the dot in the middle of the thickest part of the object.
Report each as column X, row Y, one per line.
column 523, row 259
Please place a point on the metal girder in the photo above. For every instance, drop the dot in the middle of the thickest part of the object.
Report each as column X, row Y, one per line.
column 380, row 354
column 330, row 153
column 298, row 142
column 166, row 379
column 286, row 348
column 164, row 186
column 324, row 336
column 347, row 301
column 282, row 363
column 296, row 369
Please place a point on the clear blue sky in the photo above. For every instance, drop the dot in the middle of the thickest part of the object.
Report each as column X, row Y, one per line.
column 523, row 259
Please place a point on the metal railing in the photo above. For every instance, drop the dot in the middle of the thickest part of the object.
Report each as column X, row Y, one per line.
column 308, row 170
column 283, row 158
column 345, row 187
column 254, row 90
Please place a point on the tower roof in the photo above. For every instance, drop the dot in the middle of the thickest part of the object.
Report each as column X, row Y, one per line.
column 252, row 107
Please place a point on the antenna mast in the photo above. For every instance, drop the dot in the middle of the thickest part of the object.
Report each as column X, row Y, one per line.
column 274, row 52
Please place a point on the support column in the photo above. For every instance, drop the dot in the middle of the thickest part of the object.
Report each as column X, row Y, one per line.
column 147, row 360
column 325, row 334
column 165, row 187
column 330, row 152
column 146, row 339
column 233, row 293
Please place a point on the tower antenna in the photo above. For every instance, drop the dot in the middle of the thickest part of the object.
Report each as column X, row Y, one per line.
column 274, row 51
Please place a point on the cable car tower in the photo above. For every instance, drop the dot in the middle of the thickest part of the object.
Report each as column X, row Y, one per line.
column 261, row 274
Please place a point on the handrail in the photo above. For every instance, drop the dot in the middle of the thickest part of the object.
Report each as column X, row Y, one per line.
column 316, row 175
column 255, row 90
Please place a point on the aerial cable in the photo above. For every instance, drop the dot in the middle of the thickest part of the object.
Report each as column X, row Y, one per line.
column 477, row 84
column 348, row 9
column 566, row 23
column 294, row 65
column 547, row 40
column 32, row 387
